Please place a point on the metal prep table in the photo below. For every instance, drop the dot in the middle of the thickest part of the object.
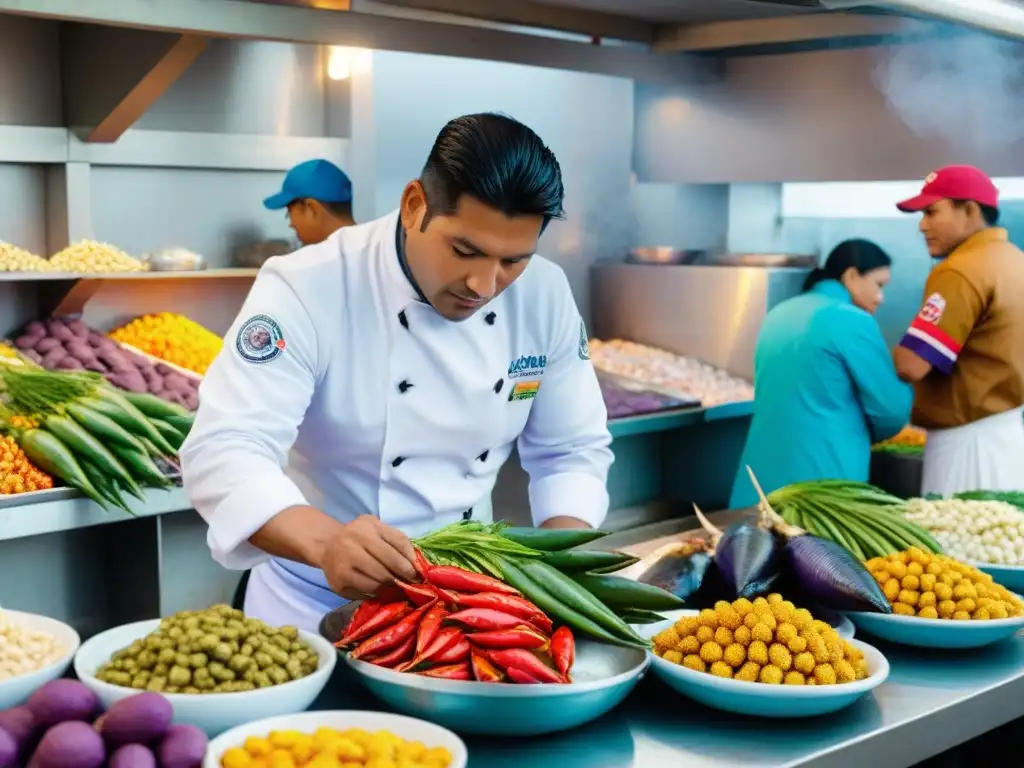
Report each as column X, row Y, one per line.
column 931, row 702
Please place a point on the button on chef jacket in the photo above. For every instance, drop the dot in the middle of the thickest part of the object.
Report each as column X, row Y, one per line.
column 338, row 387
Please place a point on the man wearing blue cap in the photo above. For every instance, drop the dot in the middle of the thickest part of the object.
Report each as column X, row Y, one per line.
column 318, row 196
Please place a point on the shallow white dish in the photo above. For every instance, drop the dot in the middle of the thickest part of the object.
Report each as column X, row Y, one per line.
column 408, row 728
column 214, row 713
column 762, row 700
column 17, row 690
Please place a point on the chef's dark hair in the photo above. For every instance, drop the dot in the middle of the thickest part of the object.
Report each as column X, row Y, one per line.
column 498, row 161
column 862, row 255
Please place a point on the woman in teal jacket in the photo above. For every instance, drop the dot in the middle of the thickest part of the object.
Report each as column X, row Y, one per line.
column 825, row 385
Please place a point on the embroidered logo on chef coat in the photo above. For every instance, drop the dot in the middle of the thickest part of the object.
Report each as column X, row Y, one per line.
column 527, row 366
column 524, row 390
column 584, row 350
column 260, row 339
column 933, row 308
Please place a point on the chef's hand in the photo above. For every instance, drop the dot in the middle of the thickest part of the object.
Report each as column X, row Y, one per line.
column 364, row 555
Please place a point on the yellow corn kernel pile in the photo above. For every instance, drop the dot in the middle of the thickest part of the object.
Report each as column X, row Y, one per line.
column 918, row 583
column 173, row 338
column 90, row 257
column 15, row 259
column 17, row 473
column 330, row 748
column 767, row 640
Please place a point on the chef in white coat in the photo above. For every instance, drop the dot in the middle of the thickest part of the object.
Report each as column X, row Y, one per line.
column 373, row 385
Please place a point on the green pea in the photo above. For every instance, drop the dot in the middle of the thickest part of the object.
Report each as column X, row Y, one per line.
column 156, row 684
column 179, row 676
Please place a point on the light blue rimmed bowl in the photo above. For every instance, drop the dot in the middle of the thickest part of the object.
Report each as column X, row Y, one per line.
column 762, row 700
column 603, row 675
column 1009, row 576
column 946, row 634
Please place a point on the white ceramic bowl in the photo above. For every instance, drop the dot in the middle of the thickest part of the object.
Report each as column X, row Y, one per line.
column 17, row 690
column 214, row 713
column 408, row 728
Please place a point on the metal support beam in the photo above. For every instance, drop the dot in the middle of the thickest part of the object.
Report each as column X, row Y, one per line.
column 114, row 75
column 792, row 30
column 179, row 57
column 531, row 14
column 263, row 21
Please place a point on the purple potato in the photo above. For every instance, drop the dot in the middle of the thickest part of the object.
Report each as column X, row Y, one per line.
column 60, row 331
column 165, row 370
column 47, row 344
column 80, row 349
column 192, row 401
column 62, row 700
column 184, row 746
column 116, row 360
column 19, row 723
column 96, row 366
column 155, row 385
column 172, row 397
column 54, row 356
column 70, row 745
column 8, row 750
column 133, row 382
column 133, row 756
column 69, row 363
column 26, row 342
column 80, row 329
column 140, row 719
column 35, row 328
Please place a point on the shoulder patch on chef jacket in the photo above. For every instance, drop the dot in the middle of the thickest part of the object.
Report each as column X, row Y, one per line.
column 933, row 308
column 524, row 390
column 259, row 340
column 584, row 349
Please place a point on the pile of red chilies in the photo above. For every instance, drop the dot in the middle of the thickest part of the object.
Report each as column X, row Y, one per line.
column 460, row 625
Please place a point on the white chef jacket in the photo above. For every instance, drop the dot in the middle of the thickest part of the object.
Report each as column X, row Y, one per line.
column 339, row 388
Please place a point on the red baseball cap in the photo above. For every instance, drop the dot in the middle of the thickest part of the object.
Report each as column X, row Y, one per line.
column 954, row 182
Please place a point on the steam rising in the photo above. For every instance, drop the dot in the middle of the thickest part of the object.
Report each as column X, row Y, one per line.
column 966, row 89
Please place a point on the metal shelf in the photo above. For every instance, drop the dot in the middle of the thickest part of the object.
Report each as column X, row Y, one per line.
column 204, row 274
column 64, row 509
column 676, row 418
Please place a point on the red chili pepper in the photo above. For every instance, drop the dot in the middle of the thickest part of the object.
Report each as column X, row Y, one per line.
column 498, row 601
column 420, row 563
column 444, row 596
column 458, row 652
column 445, row 639
column 430, row 626
column 417, row 594
column 483, row 670
column 449, row 672
column 364, row 611
column 520, row 637
column 391, row 637
column 521, row 676
column 526, row 661
column 485, row 619
column 450, row 577
column 563, row 650
column 384, row 617
column 402, row 653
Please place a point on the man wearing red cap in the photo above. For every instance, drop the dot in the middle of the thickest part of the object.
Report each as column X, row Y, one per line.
column 964, row 351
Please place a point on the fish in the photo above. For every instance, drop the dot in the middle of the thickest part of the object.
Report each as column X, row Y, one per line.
column 679, row 568
column 747, row 557
column 827, row 573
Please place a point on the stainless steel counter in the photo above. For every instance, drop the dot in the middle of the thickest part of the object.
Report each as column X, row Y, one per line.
column 931, row 702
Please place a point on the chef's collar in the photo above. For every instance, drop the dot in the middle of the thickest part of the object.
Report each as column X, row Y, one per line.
column 403, row 262
column 401, row 288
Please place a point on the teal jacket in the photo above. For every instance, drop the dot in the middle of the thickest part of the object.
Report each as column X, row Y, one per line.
column 825, row 390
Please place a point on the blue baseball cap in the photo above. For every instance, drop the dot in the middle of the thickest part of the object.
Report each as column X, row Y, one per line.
column 320, row 180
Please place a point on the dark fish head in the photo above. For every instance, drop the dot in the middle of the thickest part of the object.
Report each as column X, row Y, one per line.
column 833, row 577
column 681, row 570
column 747, row 555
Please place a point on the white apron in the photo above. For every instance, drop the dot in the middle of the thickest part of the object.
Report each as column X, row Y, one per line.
column 985, row 455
